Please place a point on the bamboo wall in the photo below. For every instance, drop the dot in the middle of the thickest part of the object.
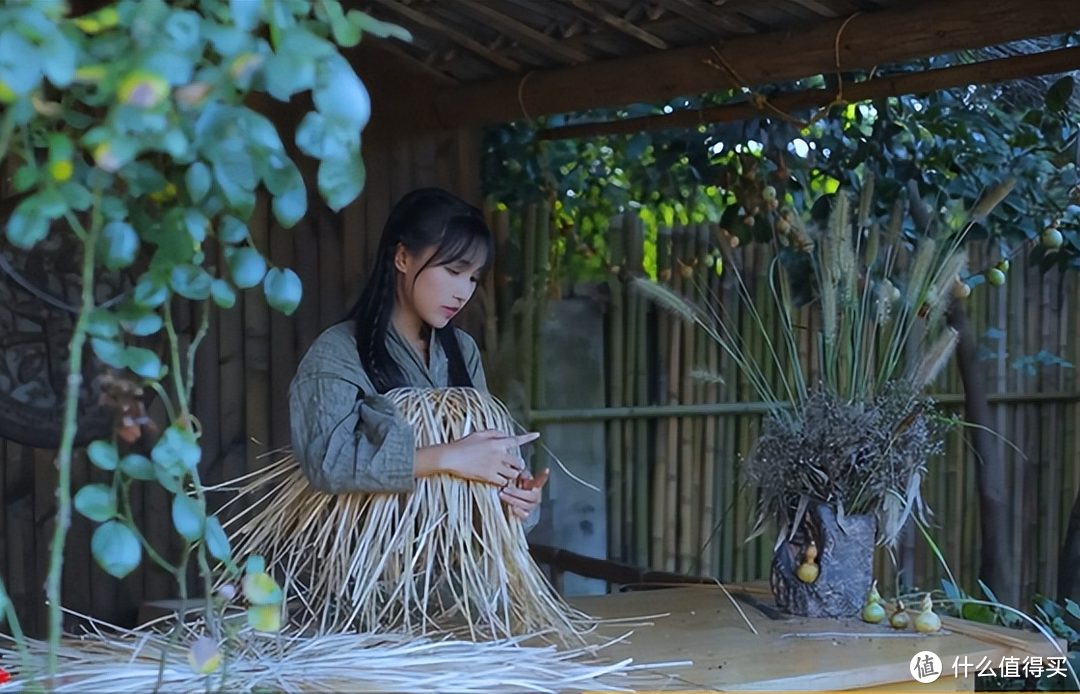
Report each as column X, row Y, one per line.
column 243, row 370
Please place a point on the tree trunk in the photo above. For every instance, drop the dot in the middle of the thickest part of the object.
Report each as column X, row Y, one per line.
column 996, row 566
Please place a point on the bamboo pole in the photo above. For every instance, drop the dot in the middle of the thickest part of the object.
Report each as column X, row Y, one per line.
column 636, row 252
column 616, row 348
column 528, row 284
column 664, row 321
column 671, row 476
column 688, row 459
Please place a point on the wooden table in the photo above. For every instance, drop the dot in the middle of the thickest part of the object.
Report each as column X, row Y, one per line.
column 703, row 626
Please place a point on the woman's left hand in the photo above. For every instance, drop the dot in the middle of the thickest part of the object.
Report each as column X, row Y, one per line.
column 523, row 495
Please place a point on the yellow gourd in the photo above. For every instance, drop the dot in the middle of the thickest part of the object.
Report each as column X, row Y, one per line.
column 927, row 621
column 873, row 612
column 899, row 618
column 808, row 571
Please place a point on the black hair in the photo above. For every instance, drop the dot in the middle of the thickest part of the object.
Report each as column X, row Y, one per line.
column 422, row 219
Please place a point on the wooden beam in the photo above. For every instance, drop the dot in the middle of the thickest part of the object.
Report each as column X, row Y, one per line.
column 524, row 33
column 909, row 31
column 628, row 28
column 452, row 34
column 985, row 72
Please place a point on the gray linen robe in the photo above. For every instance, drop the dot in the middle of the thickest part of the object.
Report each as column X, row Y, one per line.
column 347, row 437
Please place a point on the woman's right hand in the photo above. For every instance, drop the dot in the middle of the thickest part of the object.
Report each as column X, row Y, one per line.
column 486, row 456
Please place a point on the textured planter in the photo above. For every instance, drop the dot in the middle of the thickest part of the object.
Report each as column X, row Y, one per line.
column 845, row 560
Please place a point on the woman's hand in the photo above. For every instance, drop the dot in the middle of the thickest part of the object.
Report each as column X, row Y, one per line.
column 523, row 496
column 485, row 456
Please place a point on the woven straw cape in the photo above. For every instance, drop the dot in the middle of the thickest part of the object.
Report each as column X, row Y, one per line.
column 447, row 558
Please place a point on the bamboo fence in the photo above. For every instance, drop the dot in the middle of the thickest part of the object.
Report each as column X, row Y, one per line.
column 675, row 442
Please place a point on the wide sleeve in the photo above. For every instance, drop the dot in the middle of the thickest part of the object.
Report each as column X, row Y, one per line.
column 345, row 439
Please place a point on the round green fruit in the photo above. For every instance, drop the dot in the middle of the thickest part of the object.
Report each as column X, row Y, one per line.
column 995, row 277
column 1052, row 238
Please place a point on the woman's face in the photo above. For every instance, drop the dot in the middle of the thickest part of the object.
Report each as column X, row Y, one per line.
column 438, row 292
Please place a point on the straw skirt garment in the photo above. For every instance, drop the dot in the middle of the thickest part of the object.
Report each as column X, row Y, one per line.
column 446, row 558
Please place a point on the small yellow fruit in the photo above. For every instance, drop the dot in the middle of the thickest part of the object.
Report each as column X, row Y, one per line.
column 873, row 612
column 61, row 170
column 1004, row 265
column 995, row 277
column 807, row 572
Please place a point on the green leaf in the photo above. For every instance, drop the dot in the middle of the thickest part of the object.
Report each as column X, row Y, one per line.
column 232, row 230
column 116, row 548
column 1059, row 93
column 137, row 467
column 224, row 295
column 188, row 517
column 254, row 565
column 340, row 94
column 247, row 267
column 182, row 28
column 217, row 542
column 340, row 180
column 289, row 72
column 290, row 193
column 234, row 172
column 195, row 222
column 346, row 33
column 150, row 292
column 144, row 362
column 311, row 136
column 283, row 290
column 26, row 177
column 246, row 14
column 59, row 58
column 103, row 454
column 176, row 447
column 119, row 245
column 102, row 323
column 27, row 225
column 76, row 195
column 97, row 502
column 375, row 27
column 190, row 281
column 139, row 321
column 20, row 62
column 112, row 353
column 198, row 180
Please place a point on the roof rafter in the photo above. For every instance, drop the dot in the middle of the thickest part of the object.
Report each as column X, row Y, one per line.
column 451, row 33
column 524, row 33
column 619, row 23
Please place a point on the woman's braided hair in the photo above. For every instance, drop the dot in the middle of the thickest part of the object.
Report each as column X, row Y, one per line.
column 424, row 218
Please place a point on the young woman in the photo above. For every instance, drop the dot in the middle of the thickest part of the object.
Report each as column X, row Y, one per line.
column 345, row 433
